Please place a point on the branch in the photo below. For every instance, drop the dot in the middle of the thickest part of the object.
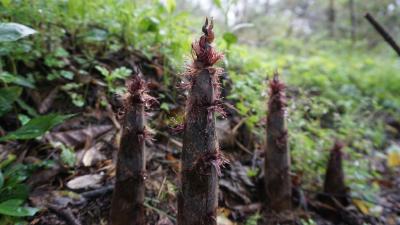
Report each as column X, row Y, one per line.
column 383, row 33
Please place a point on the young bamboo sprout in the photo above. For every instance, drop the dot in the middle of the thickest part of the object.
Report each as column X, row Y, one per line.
column 335, row 190
column 201, row 158
column 128, row 197
column 277, row 157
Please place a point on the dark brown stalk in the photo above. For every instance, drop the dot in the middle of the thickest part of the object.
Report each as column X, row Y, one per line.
column 334, row 185
column 201, row 158
column 383, row 33
column 277, row 157
column 127, row 203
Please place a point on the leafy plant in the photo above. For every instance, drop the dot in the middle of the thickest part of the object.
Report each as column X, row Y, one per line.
column 13, row 207
column 8, row 78
column 67, row 155
column 110, row 77
column 8, row 96
column 253, row 219
column 14, row 31
column 13, row 192
column 35, row 127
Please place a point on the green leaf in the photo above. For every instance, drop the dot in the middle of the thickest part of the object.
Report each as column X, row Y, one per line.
column 36, row 127
column 12, row 208
column 31, row 111
column 150, row 24
column 170, row 5
column 1, row 179
column 7, row 78
column 218, row 3
column 67, row 74
column 67, row 155
column 10, row 158
column 121, row 73
column 6, row 3
column 230, row 38
column 96, row 35
column 164, row 106
column 103, row 71
column 14, row 31
column 14, row 190
column 7, row 97
column 24, row 119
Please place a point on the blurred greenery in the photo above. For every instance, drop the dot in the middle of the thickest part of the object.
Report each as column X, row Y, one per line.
column 338, row 87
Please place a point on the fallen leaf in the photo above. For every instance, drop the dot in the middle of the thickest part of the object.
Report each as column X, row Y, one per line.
column 46, row 104
column 393, row 158
column 164, row 221
column 43, row 176
column 223, row 211
column 42, row 197
column 93, row 155
column 85, row 182
column 78, row 137
column 361, row 205
column 222, row 220
column 174, row 162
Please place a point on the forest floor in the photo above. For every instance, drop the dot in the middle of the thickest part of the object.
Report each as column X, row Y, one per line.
column 81, row 193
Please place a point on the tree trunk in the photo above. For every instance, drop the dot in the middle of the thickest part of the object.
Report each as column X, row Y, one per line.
column 388, row 38
column 331, row 17
column 352, row 21
column 127, row 203
column 198, row 198
column 277, row 157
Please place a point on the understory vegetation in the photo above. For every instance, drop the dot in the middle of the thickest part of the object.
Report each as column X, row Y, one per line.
column 83, row 51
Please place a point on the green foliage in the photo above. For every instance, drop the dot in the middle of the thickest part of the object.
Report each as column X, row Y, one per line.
column 71, row 89
column 8, row 96
column 1, row 179
column 230, row 38
column 35, row 127
column 308, row 222
column 253, row 219
column 67, row 155
column 252, row 172
column 110, row 77
column 333, row 93
column 14, row 31
column 8, row 78
column 13, row 191
column 13, row 207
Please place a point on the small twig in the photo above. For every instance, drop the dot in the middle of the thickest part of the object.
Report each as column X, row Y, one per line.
column 161, row 187
column 250, row 208
column 98, row 192
column 242, row 147
column 238, row 125
column 383, row 33
column 231, row 107
column 159, row 211
column 343, row 195
column 172, row 140
column 64, row 213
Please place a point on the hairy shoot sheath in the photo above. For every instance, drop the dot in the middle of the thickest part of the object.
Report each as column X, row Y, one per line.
column 277, row 157
column 201, row 158
column 127, row 203
column 334, row 185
